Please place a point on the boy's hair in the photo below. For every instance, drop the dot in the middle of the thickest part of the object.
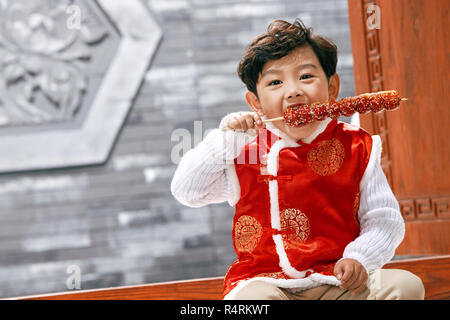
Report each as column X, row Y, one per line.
column 280, row 39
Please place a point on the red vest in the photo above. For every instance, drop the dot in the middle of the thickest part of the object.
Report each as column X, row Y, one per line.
column 298, row 203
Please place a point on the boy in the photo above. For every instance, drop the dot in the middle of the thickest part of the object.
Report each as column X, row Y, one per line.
column 315, row 217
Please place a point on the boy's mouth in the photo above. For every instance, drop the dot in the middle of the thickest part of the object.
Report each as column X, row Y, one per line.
column 295, row 105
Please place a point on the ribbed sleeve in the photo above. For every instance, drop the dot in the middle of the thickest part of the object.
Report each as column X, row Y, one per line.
column 382, row 225
column 201, row 177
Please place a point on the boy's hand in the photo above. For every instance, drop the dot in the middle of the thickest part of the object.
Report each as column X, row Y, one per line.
column 244, row 121
column 352, row 274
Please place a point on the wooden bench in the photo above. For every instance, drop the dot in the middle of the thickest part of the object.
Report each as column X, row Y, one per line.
column 434, row 272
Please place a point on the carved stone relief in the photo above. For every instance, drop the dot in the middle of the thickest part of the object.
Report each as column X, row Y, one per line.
column 73, row 63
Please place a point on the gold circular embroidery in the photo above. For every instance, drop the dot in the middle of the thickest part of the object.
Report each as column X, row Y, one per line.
column 327, row 157
column 295, row 227
column 247, row 233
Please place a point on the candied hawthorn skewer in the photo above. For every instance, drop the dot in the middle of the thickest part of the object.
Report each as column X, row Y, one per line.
column 368, row 102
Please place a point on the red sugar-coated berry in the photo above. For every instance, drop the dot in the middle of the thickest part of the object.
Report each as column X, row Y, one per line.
column 377, row 104
column 334, row 110
column 306, row 116
column 346, row 107
column 364, row 103
column 320, row 111
column 291, row 116
column 392, row 101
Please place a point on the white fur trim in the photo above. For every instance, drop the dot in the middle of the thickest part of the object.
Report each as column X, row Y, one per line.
column 294, row 285
column 323, row 279
column 234, row 182
column 284, row 260
column 271, row 127
column 272, row 159
column 272, row 156
column 272, row 168
column 321, row 128
column 355, row 120
column 274, row 205
column 375, row 156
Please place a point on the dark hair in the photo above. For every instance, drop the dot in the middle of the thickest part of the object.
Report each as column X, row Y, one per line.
column 281, row 39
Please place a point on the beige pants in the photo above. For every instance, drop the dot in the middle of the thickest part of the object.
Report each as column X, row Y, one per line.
column 383, row 284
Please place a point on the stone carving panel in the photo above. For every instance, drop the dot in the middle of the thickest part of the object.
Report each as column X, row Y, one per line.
column 69, row 70
column 45, row 51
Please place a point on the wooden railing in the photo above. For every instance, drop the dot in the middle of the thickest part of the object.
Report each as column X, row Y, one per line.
column 434, row 272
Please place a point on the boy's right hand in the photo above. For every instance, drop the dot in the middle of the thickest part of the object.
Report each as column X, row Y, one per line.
column 244, row 121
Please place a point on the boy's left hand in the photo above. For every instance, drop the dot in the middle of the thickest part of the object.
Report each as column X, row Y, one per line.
column 352, row 274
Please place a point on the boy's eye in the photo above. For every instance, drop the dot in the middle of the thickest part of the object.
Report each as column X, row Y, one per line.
column 305, row 76
column 274, row 82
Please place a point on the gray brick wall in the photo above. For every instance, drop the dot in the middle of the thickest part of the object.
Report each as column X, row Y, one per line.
column 118, row 221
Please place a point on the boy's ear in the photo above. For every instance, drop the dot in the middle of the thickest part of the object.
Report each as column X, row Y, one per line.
column 333, row 87
column 253, row 102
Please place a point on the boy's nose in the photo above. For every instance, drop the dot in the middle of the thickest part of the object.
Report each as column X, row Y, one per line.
column 293, row 91
column 293, row 94
column 296, row 95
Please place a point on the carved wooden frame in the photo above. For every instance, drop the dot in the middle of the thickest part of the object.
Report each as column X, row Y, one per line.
column 375, row 73
column 92, row 142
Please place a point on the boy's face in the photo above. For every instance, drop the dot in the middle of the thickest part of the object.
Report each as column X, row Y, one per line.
column 296, row 78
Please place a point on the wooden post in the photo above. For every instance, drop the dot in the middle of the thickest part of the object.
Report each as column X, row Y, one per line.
column 408, row 51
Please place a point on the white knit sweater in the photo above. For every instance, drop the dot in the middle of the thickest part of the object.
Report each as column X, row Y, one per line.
column 206, row 175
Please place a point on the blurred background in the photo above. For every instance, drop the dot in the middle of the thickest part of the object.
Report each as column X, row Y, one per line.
column 111, row 217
